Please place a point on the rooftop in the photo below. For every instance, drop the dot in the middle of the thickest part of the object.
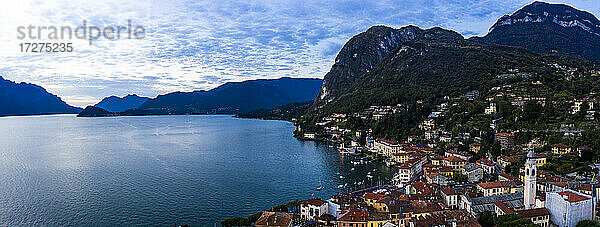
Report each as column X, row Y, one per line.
column 274, row 219
column 314, row 202
column 533, row 212
column 573, row 197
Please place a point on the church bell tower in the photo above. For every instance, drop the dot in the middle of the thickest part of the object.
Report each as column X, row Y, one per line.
column 530, row 181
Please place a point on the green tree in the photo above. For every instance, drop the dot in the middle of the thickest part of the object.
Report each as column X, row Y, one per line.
column 513, row 220
column 459, row 177
column 588, row 223
column 486, row 219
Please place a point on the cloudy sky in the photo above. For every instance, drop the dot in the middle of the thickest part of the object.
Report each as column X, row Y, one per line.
column 194, row 45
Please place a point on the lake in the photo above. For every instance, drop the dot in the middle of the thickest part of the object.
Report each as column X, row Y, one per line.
column 160, row 170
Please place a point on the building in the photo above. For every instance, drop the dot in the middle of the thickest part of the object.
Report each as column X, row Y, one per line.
column 454, row 162
column 507, row 140
column 274, row 219
column 460, row 154
column 540, row 160
column 475, row 147
column 478, row 204
column 507, row 160
column 386, row 147
column 410, row 170
column 436, row 178
column 310, row 135
column 450, row 197
column 539, row 216
column 490, row 109
column 530, row 181
column 473, row 172
column 498, row 188
column 568, row 207
column 559, row 149
column 312, row 208
column 489, row 167
column 445, row 138
column 353, row 217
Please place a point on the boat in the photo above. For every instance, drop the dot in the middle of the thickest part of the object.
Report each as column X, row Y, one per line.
column 341, row 177
column 352, row 169
column 319, row 188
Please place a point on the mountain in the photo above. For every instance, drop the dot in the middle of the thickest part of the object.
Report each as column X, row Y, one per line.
column 92, row 111
column 30, row 99
column 233, row 97
column 545, row 28
column 115, row 104
column 359, row 55
column 285, row 112
column 430, row 67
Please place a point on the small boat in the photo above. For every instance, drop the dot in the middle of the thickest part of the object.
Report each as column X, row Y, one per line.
column 369, row 176
column 319, row 188
column 341, row 177
column 352, row 169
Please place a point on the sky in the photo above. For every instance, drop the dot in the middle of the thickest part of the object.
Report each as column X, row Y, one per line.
column 198, row 45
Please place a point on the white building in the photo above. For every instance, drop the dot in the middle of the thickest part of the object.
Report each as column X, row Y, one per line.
column 568, row 207
column 312, row 208
column 450, row 197
column 491, row 109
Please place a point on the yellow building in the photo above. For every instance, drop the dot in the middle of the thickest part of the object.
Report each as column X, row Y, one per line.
column 371, row 199
column 559, row 149
column 497, row 187
column 454, row 162
column 475, row 147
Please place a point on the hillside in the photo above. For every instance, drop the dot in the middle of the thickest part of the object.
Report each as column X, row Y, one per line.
column 233, row 97
column 431, row 67
column 30, row 99
column 359, row 55
column 115, row 104
column 545, row 28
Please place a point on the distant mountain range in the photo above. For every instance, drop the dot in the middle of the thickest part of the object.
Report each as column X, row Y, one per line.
column 115, row 104
column 30, row 99
column 545, row 28
column 229, row 98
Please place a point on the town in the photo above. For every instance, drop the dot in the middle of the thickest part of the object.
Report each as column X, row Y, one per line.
column 478, row 159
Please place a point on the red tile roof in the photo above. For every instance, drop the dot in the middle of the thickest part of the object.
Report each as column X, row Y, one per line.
column 504, row 134
column 533, row 212
column 486, row 162
column 573, row 197
column 274, row 219
column 314, row 202
column 373, row 196
column 504, row 207
column 391, row 142
column 449, row 191
column 454, row 159
column 355, row 215
column 489, row 185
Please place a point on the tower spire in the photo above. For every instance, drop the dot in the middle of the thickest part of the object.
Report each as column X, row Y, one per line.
column 530, row 180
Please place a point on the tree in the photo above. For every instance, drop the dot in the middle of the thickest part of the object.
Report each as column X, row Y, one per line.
column 513, row 220
column 588, row 223
column 486, row 219
column 459, row 177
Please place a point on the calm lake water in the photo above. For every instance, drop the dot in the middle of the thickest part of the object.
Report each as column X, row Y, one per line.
column 159, row 170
